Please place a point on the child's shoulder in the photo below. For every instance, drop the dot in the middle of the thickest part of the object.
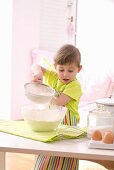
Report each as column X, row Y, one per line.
column 50, row 72
column 74, row 83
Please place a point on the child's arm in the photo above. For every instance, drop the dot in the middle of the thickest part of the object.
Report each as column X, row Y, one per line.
column 61, row 100
column 38, row 72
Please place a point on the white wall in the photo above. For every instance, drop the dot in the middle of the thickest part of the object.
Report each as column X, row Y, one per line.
column 25, row 37
column 5, row 57
column 53, row 22
column 20, row 33
column 27, row 17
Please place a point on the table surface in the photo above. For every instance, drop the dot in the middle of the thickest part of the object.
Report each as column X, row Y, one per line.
column 77, row 148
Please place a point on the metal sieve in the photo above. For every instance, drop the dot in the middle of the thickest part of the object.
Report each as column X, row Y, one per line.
column 39, row 93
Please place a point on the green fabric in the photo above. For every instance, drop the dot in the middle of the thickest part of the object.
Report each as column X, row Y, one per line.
column 72, row 89
column 21, row 128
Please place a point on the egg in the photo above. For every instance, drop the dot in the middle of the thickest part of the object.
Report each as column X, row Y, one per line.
column 96, row 135
column 108, row 138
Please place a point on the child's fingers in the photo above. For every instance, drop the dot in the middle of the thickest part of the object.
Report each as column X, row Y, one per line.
column 36, row 79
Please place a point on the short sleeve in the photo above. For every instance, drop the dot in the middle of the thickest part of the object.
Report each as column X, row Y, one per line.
column 73, row 90
column 50, row 78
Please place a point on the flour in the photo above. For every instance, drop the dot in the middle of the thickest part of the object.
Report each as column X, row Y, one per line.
column 38, row 93
column 40, row 98
column 42, row 118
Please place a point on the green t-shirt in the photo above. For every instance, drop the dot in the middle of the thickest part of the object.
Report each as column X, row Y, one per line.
column 72, row 89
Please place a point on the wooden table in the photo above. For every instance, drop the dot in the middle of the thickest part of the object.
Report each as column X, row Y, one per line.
column 68, row 148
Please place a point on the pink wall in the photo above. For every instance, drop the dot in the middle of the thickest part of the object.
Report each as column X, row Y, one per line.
column 25, row 37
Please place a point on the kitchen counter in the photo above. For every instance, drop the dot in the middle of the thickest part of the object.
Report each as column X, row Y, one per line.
column 77, row 148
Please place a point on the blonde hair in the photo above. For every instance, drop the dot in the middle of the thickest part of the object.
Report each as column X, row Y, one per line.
column 67, row 54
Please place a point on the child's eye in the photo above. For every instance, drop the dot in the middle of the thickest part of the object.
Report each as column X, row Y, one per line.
column 70, row 71
column 61, row 70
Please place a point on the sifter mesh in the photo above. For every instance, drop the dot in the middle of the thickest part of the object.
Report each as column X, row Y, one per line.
column 39, row 93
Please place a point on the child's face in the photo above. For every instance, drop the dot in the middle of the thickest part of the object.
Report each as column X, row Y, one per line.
column 67, row 73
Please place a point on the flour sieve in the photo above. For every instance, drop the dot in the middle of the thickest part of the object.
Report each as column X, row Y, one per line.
column 38, row 93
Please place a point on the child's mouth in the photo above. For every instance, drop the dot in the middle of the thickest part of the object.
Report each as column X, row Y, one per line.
column 66, row 80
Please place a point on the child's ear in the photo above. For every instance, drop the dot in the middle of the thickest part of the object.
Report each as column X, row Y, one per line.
column 79, row 69
column 55, row 66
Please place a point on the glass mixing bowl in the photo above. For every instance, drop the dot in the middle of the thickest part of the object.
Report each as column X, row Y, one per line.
column 42, row 118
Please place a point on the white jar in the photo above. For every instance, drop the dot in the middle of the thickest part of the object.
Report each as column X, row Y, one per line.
column 107, row 104
column 99, row 119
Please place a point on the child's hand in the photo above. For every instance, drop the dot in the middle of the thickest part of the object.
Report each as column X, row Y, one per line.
column 37, row 73
column 36, row 69
column 36, row 79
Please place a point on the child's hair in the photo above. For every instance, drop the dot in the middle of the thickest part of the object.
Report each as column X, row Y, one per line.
column 68, row 54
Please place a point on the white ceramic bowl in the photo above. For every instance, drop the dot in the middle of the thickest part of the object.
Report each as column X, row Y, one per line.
column 42, row 118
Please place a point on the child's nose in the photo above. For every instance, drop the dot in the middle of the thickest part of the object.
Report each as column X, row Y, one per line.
column 65, row 73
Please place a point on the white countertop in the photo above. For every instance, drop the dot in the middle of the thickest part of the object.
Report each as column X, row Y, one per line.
column 77, row 148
